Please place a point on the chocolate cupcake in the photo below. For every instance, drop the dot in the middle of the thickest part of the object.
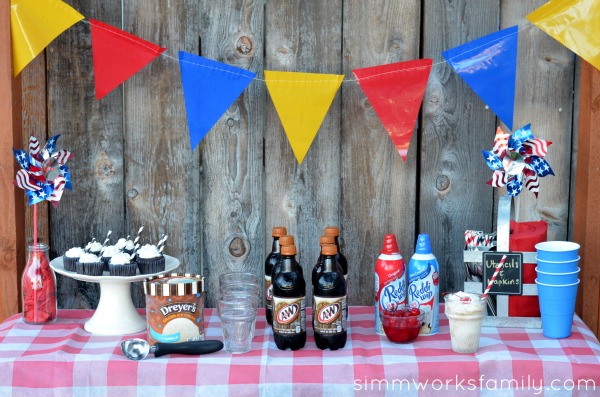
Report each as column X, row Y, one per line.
column 150, row 259
column 108, row 253
column 71, row 257
column 90, row 265
column 121, row 265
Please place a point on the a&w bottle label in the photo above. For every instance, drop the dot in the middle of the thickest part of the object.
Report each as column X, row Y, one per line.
column 329, row 316
column 289, row 315
column 268, row 293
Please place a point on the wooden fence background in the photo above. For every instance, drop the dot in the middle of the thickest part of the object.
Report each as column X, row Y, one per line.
column 133, row 163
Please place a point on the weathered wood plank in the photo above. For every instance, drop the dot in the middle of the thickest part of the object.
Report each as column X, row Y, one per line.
column 161, row 172
column 456, row 127
column 544, row 98
column 12, row 237
column 378, row 188
column 303, row 36
column 92, row 131
column 587, row 223
column 232, row 152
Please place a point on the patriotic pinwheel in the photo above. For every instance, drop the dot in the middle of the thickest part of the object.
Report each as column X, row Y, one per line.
column 44, row 174
column 518, row 160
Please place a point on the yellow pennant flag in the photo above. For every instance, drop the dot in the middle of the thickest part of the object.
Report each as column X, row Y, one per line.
column 302, row 101
column 574, row 23
column 34, row 24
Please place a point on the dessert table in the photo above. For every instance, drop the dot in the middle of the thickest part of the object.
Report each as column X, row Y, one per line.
column 62, row 359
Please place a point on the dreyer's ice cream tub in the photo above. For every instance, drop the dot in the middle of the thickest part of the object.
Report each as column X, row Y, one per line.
column 174, row 308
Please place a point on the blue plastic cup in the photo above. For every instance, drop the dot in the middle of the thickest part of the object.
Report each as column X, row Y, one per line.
column 557, row 267
column 557, row 278
column 557, row 251
column 557, row 306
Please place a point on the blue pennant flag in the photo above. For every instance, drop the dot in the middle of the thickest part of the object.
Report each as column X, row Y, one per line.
column 489, row 66
column 209, row 89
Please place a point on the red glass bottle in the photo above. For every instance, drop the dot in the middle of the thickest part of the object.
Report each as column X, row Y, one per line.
column 38, row 287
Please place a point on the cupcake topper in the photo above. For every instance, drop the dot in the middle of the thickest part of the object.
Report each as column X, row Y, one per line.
column 162, row 241
column 135, row 249
column 137, row 238
column 107, row 239
column 518, row 159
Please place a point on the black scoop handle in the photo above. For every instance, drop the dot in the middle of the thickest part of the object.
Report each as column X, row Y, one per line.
column 190, row 348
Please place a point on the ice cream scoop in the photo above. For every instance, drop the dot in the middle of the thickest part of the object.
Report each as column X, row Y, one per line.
column 138, row 349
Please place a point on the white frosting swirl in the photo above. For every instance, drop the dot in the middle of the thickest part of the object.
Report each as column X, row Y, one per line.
column 88, row 258
column 74, row 252
column 148, row 252
column 93, row 247
column 122, row 258
column 111, row 251
column 130, row 245
column 121, row 243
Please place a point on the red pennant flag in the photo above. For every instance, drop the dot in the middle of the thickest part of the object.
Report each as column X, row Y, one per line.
column 395, row 92
column 118, row 55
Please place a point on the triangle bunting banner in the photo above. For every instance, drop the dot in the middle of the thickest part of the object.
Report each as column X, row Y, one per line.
column 302, row 101
column 209, row 89
column 395, row 91
column 118, row 55
column 489, row 66
column 574, row 24
column 34, row 24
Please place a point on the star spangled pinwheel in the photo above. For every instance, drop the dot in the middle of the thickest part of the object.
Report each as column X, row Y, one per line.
column 517, row 159
column 44, row 174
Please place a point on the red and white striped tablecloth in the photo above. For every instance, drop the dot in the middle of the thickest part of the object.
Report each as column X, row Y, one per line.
column 62, row 359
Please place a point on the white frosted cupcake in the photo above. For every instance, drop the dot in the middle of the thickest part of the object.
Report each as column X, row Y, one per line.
column 121, row 244
column 94, row 247
column 129, row 247
column 150, row 259
column 90, row 264
column 71, row 257
column 121, row 265
column 108, row 253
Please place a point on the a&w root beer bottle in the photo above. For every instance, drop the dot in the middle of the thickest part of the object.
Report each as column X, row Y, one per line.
column 289, row 302
column 270, row 262
column 329, row 302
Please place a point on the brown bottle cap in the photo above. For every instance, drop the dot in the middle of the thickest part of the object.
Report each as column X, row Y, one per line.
column 287, row 239
column 288, row 250
column 279, row 231
column 328, row 249
column 326, row 240
column 332, row 231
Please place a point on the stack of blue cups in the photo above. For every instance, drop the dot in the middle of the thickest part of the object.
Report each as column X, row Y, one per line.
column 557, row 282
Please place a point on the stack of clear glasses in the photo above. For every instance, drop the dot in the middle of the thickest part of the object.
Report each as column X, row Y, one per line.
column 239, row 295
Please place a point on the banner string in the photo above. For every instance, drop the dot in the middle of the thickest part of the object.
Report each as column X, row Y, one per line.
column 528, row 25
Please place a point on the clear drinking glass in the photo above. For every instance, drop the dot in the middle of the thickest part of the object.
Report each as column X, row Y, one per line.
column 238, row 318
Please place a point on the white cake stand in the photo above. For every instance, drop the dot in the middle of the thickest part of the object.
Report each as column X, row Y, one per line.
column 115, row 314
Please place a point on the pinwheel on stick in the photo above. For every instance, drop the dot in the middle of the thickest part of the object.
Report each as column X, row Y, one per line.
column 43, row 175
column 517, row 160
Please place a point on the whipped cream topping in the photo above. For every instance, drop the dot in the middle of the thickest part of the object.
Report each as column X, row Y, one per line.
column 75, row 252
column 93, row 247
column 149, row 251
column 110, row 251
column 129, row 245
column 122, row 258
column 89, row 258
column 121, row 243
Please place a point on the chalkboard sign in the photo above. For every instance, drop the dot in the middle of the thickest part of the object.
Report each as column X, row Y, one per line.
column 509, row 280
